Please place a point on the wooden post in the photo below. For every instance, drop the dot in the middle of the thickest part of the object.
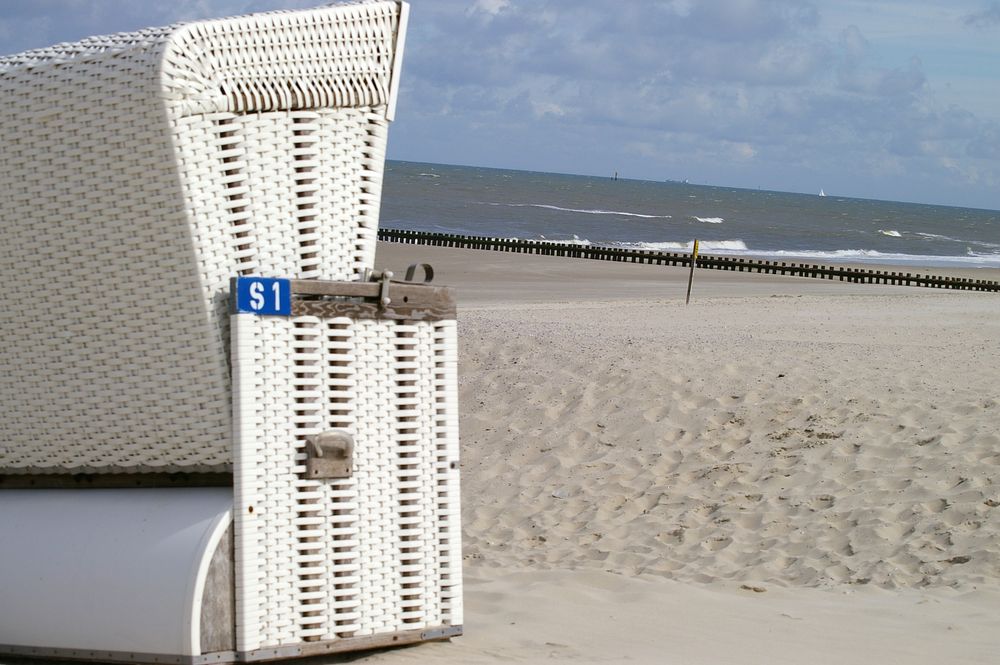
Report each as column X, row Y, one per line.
column 694, row 260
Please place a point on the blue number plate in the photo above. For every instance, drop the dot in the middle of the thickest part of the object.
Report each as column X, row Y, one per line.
column 266, row 296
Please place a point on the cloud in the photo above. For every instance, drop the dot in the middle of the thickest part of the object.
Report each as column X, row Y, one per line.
column 987, row 18
column 880, row 82
column 737, row 19
column 734, row 89
column 969, row 173
column 743, row 151
column 41, row 23
column 986, row 144
column 853, row 44
column 726, row 82
column 541, row 109
column 490, row 7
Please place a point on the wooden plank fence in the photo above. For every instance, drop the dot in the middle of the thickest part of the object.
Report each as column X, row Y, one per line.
column 841, row 273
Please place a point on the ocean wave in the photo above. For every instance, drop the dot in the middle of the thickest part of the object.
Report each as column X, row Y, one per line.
column 582, row 211
column 739, row 248
column 970, row 260
column 935, row 236
column 429, row 175
column 709, row 220
column 977, row 243
column 718, row 246
column 577, row 241
column 891, row 233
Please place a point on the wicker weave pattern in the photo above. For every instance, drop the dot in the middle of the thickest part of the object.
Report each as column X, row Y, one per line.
column 138, row 173
column 306, row 567
column 447, row 495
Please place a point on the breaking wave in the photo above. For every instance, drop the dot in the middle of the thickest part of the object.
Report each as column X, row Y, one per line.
column 739, row 248
column 619, row 213
column 706, row 246
column 977, row 243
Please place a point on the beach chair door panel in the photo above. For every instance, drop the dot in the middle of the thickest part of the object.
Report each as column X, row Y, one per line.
column 373, row 553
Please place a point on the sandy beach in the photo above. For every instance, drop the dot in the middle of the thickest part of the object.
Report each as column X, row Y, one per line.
column 784, row 471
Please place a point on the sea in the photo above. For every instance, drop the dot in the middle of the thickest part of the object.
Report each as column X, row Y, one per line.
column 670, row 215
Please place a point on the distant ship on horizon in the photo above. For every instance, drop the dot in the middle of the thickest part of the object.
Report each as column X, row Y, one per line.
column 821, row 192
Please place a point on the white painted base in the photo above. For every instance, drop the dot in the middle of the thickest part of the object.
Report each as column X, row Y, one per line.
column 108, row 569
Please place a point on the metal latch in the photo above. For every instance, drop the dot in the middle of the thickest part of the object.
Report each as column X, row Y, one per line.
column 330, row 454
column 384, row 278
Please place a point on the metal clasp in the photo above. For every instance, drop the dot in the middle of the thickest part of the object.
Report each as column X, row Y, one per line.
column 330, row 454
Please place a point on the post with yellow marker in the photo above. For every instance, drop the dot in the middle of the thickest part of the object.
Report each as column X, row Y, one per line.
column 694, row 260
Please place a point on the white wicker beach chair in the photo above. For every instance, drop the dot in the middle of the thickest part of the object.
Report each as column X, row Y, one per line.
column 140, row 173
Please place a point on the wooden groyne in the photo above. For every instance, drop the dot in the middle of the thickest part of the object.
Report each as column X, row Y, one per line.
column 740, row 264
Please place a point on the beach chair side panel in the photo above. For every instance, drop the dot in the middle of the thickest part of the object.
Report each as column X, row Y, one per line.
column 109, row 361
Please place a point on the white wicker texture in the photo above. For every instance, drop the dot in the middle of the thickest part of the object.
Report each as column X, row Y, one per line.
column 372, row 554
column 138, row 173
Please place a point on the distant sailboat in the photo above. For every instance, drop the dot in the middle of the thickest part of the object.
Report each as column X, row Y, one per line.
column 821, row 192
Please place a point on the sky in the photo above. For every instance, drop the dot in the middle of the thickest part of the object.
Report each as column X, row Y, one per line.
column 884, row 99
